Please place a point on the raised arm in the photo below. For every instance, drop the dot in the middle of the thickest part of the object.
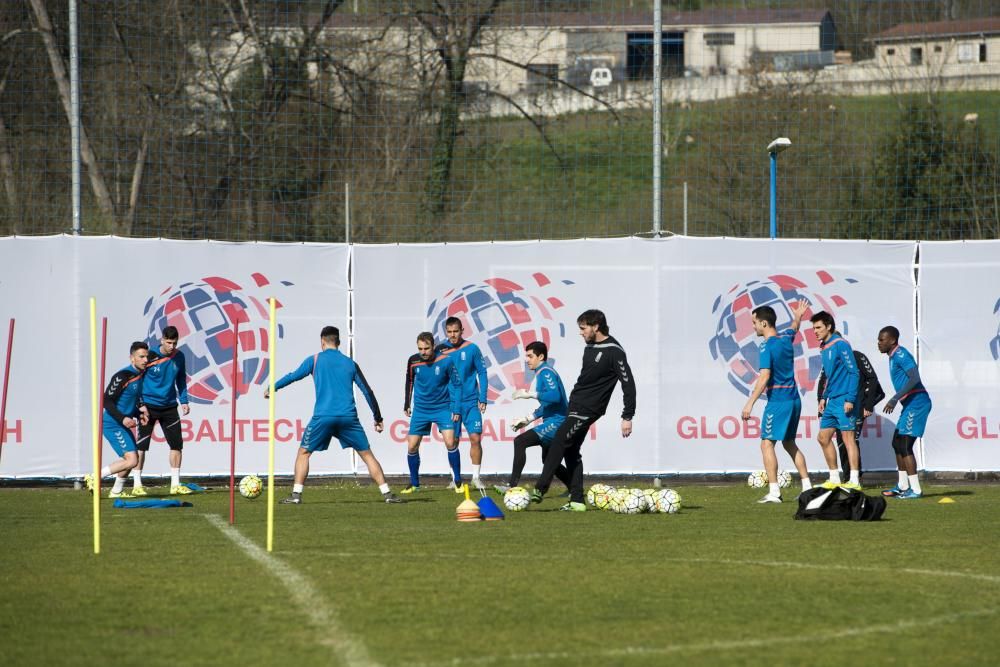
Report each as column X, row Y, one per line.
column 798, row 309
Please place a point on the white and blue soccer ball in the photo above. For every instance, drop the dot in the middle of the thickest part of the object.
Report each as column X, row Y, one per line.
column 516, row 499
column 757, row 479
column 667, row 501
column 784, row 479
column 251, row 486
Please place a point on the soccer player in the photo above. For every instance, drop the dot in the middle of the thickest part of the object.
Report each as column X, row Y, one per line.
column 604, row 366
column 548, row 389
column 123, row 411
column 164, row 386
column 471, row 368
column 910, row 391
column 836, row 404
column 781, row 416
column 869, row 394
column 433, row 396
column 335, row 414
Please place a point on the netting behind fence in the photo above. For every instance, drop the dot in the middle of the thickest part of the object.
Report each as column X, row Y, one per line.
column 420, row 120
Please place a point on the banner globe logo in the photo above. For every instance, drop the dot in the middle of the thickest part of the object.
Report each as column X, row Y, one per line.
column 995, row 343
column 204, row 313
column 502, row 316
column 736, row 345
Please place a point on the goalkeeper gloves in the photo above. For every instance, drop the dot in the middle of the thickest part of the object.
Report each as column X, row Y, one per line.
column 521, row 422
column 523, row 393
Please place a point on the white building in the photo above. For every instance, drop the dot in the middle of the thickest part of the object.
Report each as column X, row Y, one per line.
column 963, row 42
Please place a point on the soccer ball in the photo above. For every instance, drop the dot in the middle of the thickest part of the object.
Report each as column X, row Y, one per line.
column 784, row 479
column 594, row 490
column 602, row 501
column 668, row 501
column 251, row 486
column 633, row 501
column 516, row 499
column 616, row 500
column 650, row 497
column 757, row 480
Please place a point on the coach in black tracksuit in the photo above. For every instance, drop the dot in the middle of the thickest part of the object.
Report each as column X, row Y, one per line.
column 604, row 365
column 869, row 394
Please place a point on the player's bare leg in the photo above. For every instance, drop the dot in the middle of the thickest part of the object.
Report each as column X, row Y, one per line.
column 771, row 468
column 853, row 457
column 825, row 439
column 301, row 473
column 799, row 460
column 476, row 454
column 375, row 470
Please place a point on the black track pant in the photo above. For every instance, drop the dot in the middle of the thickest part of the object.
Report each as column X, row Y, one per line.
column 521, row 444
column 170, row 423
column 565, row 449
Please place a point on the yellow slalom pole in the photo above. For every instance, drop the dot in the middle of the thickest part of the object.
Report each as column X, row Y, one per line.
column 272, row 340
column 95, row 427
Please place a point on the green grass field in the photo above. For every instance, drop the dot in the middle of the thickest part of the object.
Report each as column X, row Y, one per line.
column 354, row 581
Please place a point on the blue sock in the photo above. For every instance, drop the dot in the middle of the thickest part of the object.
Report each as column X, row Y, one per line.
column 413, row 460
column 455, row 461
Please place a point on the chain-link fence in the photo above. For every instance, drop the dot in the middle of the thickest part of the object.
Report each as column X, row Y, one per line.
column 454, row 120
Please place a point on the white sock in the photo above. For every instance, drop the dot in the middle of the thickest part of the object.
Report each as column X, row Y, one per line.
column 835, row 476
column 904, row 481
column 914, row 483
column 384, row 488
column 175, row 477
column 297, row 488
column 856, row 477
column 136, row 478
column 806, row 484
column 773, row 490
column 119, row 484
column 105, row 472
column 475, row 471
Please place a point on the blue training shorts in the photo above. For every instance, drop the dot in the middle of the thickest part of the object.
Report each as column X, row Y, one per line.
column 347, row 430
column 913, row 419
column 834, row 415
column 780, row 421
column 421, row 421
column 472, row 419
column 546, row 431
column 120, row 438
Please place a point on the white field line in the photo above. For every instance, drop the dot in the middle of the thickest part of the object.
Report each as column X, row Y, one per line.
column 348, row 649
column 713, row 646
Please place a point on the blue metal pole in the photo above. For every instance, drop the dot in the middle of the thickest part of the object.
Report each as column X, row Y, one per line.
column 774, row 194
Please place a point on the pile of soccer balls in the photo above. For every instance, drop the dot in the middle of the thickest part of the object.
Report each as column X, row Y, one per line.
column 633, row 501
column 758, row 479
column 604, row 497
column 251, row 486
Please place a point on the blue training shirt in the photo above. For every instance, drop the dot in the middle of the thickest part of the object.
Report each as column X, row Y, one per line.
column 471, row 368
column 432, row 384
column 334, row 375
column 842, row 376
column 777, row 355
column 165, row 382
column 551, row 393
column 901, row 362
column 123, row 395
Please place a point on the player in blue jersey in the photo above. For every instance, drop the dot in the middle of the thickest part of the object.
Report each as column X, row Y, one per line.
column 335, row 414
column 837, row 404
column 164, row 386
column 780, row 421
column 916, row 402
column 123, row 411
column 432, row 397
column 472, row 374
column 547, row 388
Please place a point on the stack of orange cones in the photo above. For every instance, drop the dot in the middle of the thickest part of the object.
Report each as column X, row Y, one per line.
column 468, row 510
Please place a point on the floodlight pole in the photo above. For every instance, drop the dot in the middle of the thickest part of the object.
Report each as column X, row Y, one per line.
column 775, row 147
column 774, row 194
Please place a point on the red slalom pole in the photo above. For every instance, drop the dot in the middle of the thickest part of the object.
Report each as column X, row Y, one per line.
column 6, row 379
column 232, row 425
column 100, row 404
